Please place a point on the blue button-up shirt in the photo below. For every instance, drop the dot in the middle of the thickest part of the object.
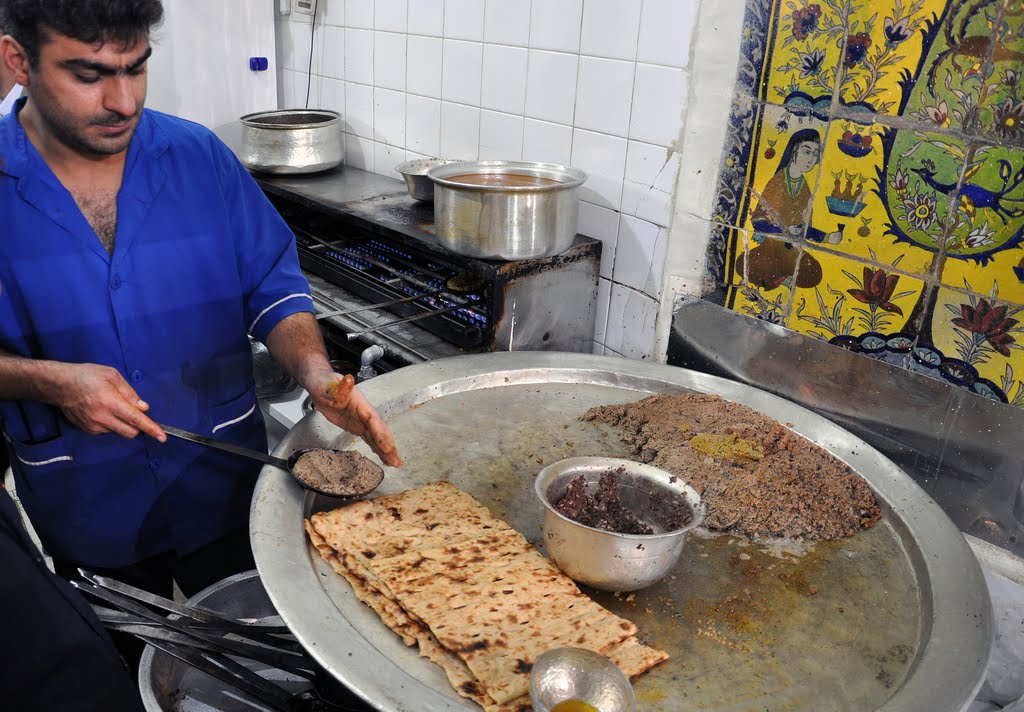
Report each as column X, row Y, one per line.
column 200, row 258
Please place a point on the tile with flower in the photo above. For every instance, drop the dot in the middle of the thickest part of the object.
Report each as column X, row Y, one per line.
column 883, row 50
column 802, row 68
column 861, row 307
column 976, row 344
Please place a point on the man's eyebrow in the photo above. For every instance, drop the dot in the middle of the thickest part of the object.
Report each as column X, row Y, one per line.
column 105, row 69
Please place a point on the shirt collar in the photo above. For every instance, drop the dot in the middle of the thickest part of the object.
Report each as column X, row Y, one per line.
column 16, row 152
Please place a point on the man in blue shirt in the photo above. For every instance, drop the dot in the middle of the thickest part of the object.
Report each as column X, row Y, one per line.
column 137, row 253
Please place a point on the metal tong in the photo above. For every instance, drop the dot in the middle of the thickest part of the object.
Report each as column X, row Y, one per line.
column 207, row 641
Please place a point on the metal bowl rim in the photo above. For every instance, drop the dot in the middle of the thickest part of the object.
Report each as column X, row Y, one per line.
column 253, row 120
column 404, row 168
column 587, row 464
column 567, row 176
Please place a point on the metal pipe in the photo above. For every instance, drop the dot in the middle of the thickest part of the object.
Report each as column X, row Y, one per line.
column 366, row 360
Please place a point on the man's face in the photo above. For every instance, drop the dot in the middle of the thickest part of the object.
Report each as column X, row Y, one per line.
column 90, row 97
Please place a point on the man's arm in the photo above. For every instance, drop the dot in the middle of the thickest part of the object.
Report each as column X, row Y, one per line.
column 94, row 398
column 295, row 342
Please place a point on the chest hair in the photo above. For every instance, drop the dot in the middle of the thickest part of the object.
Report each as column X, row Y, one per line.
column 100, row 208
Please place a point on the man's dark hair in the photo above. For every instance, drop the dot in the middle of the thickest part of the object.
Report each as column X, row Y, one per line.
column 90, row 21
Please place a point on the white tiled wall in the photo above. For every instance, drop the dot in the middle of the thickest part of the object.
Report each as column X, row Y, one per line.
column 600, row 85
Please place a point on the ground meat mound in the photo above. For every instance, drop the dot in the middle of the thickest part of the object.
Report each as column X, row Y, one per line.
column 601, row 510
column 340, row 473
column 789, row 488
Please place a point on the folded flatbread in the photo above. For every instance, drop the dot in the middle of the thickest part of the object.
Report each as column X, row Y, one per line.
column 447, row 575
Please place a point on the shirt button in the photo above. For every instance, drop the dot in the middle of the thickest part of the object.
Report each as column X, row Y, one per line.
column 115, row 282
column 155, row 463
column 136, row 376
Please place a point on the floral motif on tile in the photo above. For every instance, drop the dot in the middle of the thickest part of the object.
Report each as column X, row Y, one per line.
column 875, row 161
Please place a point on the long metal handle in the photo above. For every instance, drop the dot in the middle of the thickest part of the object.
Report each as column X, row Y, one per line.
column 192, row 612
column 344, row 312
column 226, row 670
column 226, row 447
column 353, row 334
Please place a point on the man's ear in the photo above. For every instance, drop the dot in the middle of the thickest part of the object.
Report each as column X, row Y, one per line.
column 14, row 59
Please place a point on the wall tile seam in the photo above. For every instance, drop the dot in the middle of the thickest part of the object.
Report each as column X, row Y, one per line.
column 821, row 247
column 666, row 299
column 901, row 123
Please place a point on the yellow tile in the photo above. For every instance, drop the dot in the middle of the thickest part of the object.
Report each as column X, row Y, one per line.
column 976, row 337
column 883, row 43
column 857, row 199
column 842, row 309
column 805, row 54
column 781, row 136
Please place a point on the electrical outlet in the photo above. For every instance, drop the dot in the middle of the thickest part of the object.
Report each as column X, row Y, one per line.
column 306, row 7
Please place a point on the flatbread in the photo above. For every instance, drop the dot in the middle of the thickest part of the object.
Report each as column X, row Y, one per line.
column 447, row 575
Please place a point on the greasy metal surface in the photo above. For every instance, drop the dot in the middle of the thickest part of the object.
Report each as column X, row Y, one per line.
column 896, row 618
column 506, row 222
column 961, row 448
column 270, row 143
column 168, row 684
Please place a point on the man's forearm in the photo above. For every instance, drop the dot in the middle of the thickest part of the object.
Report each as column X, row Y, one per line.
column 29, row 379
column 297, row 345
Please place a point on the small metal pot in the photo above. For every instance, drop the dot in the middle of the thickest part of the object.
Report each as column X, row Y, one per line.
column 292, row 141
column 510, row 222
column 609, row 560
column 415, row 174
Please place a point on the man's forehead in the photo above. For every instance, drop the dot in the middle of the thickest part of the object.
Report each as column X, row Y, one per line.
column 115, row 53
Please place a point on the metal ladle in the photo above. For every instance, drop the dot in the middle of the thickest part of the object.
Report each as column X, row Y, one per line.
column 343, row 489
column 583, row 676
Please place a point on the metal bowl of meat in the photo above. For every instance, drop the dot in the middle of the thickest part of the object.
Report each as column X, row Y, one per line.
column 416, row 180
column 615, row 524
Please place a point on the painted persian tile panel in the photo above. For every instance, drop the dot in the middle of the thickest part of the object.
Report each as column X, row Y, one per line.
column 872, row 188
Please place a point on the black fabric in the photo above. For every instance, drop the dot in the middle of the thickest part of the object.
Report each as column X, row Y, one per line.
column 54, row 653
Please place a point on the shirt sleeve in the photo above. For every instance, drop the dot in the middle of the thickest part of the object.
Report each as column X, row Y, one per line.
column 268, row 264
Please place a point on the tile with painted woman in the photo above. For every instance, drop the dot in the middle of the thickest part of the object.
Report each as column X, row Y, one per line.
column 782, row 210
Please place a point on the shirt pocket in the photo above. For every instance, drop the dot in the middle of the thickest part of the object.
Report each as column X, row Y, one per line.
column 40, row 457
column 229, row 417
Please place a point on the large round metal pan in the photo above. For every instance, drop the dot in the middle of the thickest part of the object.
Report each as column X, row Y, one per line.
column 895, row 618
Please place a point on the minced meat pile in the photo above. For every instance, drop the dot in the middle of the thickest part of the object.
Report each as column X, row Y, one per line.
column 603, row 509
column 755, row 476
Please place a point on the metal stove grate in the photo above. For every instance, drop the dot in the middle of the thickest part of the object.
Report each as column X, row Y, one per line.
column 381, row 272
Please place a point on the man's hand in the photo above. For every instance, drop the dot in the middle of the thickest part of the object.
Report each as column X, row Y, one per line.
column 338, row 399
column 97, row 399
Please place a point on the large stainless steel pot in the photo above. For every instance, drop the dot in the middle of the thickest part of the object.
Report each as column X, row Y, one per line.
column 510, row 222
column 292, row 141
